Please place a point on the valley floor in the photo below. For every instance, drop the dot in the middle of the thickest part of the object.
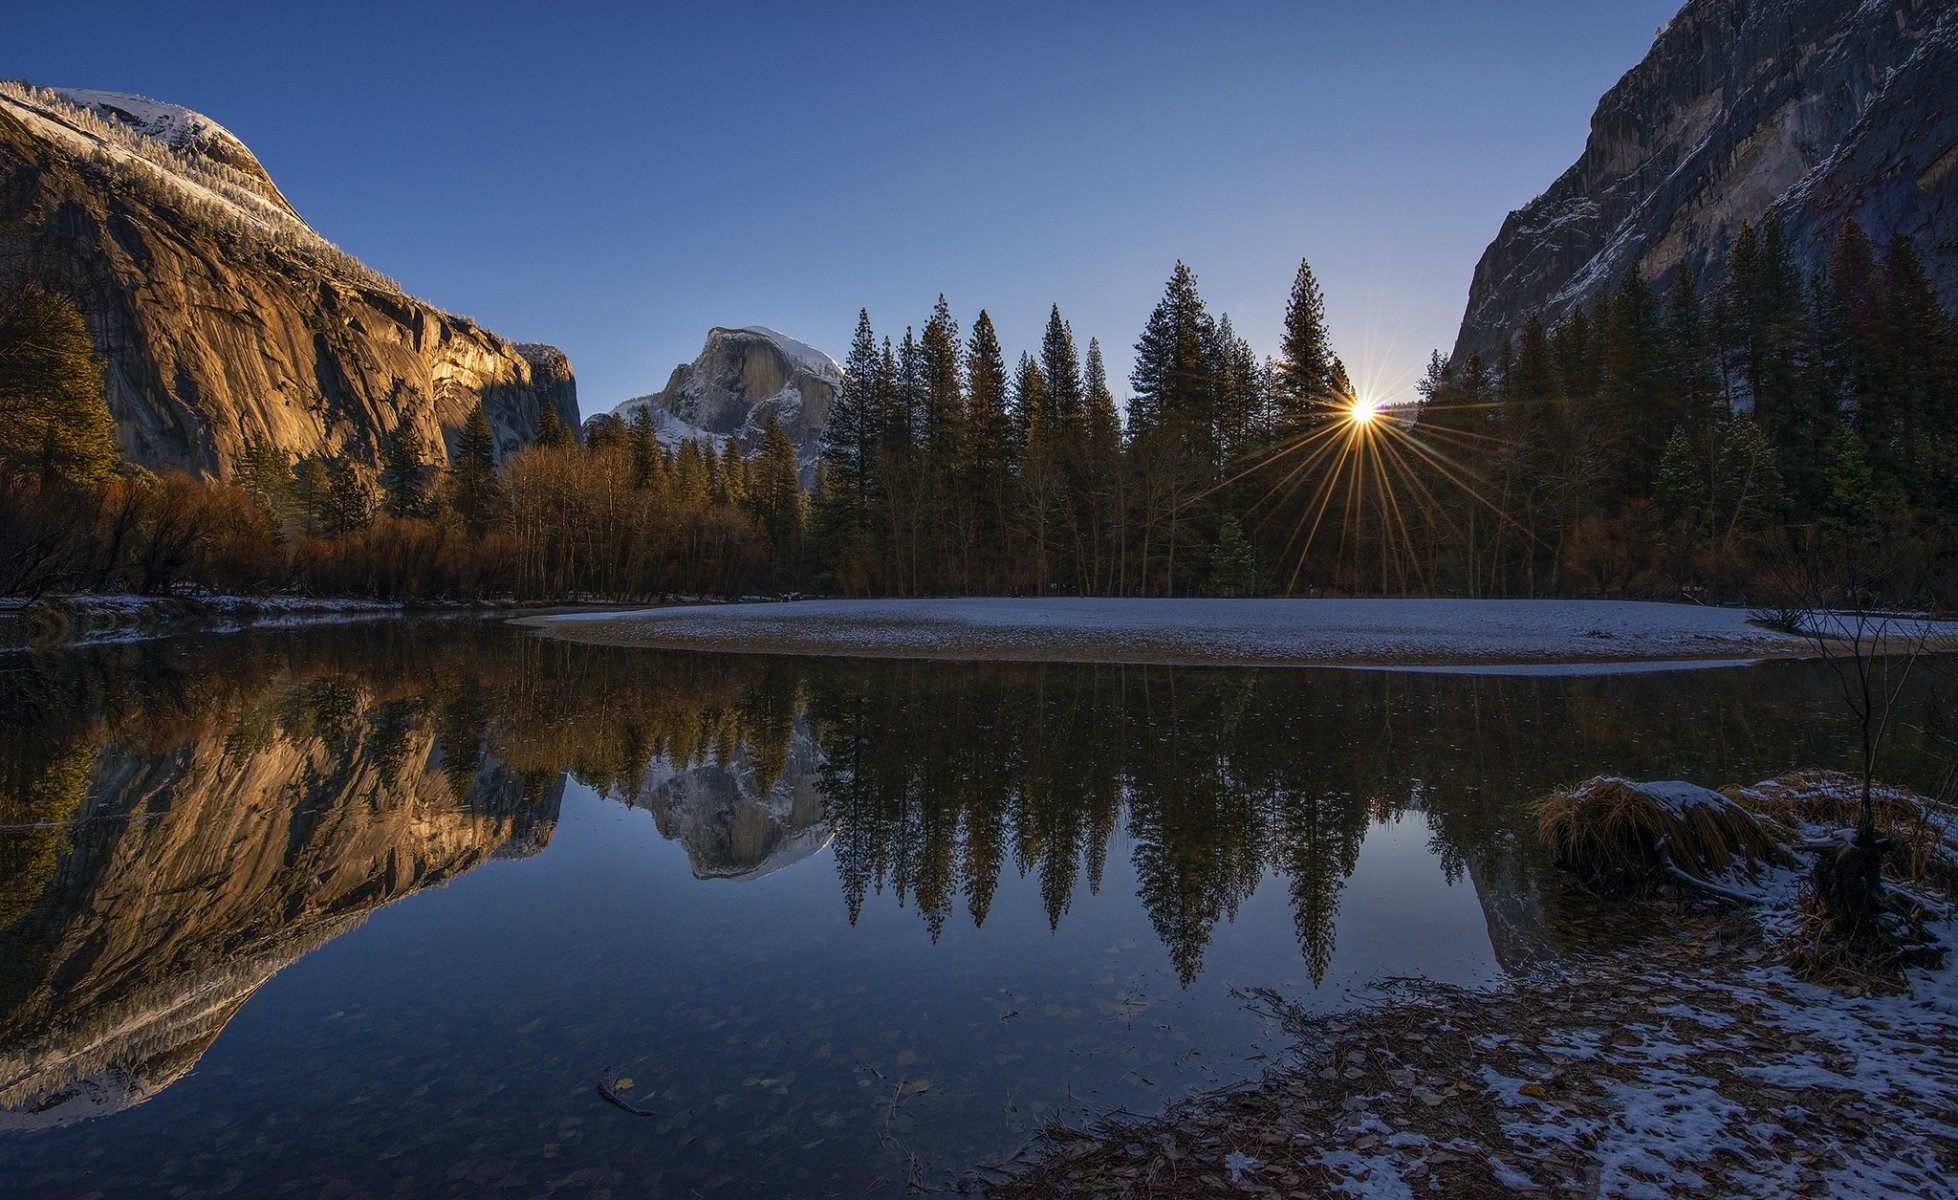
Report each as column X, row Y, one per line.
column 1529, row 634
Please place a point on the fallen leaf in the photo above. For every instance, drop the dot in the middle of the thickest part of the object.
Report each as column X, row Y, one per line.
column 1534, row 1091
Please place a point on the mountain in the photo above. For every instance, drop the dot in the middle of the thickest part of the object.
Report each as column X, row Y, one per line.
column 222, row 315
column 741, row 378
column 1825, row 109
column 748, row 816
column 200, row 873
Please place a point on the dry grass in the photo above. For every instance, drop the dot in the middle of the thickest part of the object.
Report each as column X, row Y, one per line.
column 1923, row 832
column 1612, row 828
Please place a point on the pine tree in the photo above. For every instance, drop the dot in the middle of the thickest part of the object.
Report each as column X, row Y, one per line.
column 1234, row 563
column 54, row 422
column 1175, row 373
column 690, row 483
column 1748, row 480
column 855, row 418
column 1305, row 394
column 551, row 433
column 1060, row 367
column 265, row 472
column 942, row 382
column 475, row 490
column 350, row 500
column 1677, row 486
column 404, row 472
column 989, row 442
column 643, row 443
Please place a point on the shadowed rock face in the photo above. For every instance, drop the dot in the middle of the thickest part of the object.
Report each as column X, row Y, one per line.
column 1826, row 109
column 194, row 876
column 222, row 317
column 742, row 378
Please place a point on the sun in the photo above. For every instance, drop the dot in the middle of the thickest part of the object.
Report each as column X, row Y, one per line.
column 1363, row 411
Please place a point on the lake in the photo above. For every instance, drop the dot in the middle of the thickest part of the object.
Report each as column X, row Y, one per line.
column 442, row 907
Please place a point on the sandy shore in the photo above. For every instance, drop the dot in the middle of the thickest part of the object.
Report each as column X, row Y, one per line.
column 1537, row 635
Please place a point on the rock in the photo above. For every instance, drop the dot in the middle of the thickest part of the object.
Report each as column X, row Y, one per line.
column 740, row 379
column 1826, row 109
column 222, row 316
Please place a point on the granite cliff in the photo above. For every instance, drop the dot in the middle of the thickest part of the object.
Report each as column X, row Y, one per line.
column 223, row 317
column 741, row 378
column 1823, row 109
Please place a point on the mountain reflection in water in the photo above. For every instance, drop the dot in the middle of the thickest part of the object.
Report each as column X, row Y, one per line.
column 187, row 817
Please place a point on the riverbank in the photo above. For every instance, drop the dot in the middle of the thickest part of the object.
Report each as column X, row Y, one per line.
column 1688, row 1063
column 84, row 620
column 1538, row 634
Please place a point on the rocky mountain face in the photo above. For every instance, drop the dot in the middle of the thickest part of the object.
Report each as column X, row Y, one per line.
column 202, row 872
column 741, row 378
column 743, row 818
column 1824, row 109
column 223, row 317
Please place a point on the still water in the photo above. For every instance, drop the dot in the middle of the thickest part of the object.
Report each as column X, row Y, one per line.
column 375, row 910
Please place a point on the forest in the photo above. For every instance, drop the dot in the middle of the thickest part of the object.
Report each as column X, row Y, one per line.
column 1692, row 441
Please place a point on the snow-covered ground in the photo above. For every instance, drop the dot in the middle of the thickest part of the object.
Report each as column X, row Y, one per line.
column 1537, row 634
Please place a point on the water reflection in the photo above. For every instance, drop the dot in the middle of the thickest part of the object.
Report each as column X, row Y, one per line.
column 187, row 818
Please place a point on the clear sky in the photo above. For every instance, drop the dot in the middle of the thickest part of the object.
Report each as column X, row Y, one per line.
column 616, row 179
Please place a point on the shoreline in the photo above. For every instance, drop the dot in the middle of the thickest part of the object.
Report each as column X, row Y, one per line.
column 1528, row 636
column 1687, row 1060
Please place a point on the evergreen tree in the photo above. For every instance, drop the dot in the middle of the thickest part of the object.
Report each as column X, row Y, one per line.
column 942, row 383
column 690, row 482
column 1305, row 394
column 1234, row 563
column 1060, row 368
column 265, row 472
column 475, row 490
column 1175, row 373
column 551, row 433
column 404, row 471
column 349, row 499
column 855, row 417
column 643, row 443
column 1677, row 486
column 54, row 422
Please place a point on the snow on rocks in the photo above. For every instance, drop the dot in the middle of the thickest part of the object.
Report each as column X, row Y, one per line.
column 1478, row 634
column 1687, row 1064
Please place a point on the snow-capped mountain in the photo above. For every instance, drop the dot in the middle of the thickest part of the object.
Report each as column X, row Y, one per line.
column 743, row 818
column 223, row 317
column 1824, row 109
column 740, row 379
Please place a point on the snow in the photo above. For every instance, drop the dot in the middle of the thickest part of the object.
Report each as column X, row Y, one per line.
column 1680, row 797
column 811, row 359
column 173, row 123
column 1571, row 634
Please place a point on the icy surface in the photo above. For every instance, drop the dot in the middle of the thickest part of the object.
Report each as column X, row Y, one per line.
column 812, row 359
column 1357, row 632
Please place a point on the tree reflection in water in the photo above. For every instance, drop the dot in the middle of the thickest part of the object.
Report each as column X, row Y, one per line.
column 186, row 816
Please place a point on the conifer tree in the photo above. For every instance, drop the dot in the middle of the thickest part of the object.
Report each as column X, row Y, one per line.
column 643, row 443
column 690, row 483
column 942, row 382
column 855, row 417
column 54, row 422
column 474, row 487
column 1305, row 394
column 551, row 433
column 349, row 499
column 404, row 472
column 1060, row 368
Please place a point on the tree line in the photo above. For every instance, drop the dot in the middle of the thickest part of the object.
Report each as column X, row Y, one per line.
column 1646, row 444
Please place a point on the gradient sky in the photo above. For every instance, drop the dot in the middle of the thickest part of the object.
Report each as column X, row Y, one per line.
column 617, row 179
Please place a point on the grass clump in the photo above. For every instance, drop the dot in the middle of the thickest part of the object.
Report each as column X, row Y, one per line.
column 1614, row 831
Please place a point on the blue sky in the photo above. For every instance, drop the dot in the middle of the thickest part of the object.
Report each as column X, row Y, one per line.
column 616, row 179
